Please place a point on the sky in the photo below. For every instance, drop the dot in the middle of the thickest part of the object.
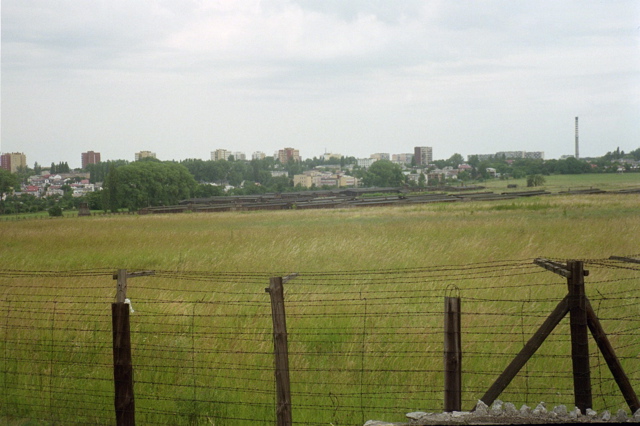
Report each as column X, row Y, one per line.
column 183, row 78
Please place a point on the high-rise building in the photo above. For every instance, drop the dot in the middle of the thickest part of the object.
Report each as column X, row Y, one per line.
column 220, row 154
column 145, row 154
column 509, row 155
column 534, row 155
column 90, row 157
column 402, row 158
column 380, row 156
column 13, row 161
column 258, row 155
column 288, row 154
column 423, row 155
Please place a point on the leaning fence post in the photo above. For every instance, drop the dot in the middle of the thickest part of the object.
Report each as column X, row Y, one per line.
column 122, row 367
column 281, row 352
column 579, row 336
column 452, row 355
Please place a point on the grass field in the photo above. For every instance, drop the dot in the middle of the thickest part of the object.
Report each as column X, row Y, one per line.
column 557, row 183
column 312, row 243
column 395, row 237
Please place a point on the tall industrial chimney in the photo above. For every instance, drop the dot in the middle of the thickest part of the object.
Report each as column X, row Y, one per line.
column 577, row 145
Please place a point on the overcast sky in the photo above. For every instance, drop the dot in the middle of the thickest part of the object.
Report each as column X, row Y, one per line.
column 185, row 77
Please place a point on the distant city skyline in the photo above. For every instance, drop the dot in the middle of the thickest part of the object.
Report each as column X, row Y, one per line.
column 184, row 78
column 283, row 155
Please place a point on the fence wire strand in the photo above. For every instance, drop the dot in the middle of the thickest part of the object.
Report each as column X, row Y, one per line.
column 362, row 344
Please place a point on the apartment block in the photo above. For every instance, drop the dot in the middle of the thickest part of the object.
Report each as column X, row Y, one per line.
column 144, row 154
column 90, row 157
column 402, row 158
column 510, row 155
column 289, row 154
column 423, row 155
column 220, row 154
column 303, row 180
column 13, row 161
column 380, row 156
column 534, row 155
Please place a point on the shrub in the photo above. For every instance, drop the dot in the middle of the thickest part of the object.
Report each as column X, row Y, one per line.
column 535, row 180
column 55, row 211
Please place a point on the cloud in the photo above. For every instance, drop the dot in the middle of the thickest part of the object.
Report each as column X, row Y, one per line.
column 366, row 74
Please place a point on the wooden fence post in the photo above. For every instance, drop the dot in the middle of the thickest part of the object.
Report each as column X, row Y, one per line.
column 452, row 355
column 281, row 351
column 122, row 367
column 579, row 336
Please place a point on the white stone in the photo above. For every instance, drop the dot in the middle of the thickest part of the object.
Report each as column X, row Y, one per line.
column 481, row 408
column 510, row 409
column 560, row 410
column 540, row 409
column 496, row 407
column 525, row 410
column 621, row 415
column 591, row 413
column 606, row 415
column 416, row 415
column 575, row 413
column 636, row 415
column 457, row 414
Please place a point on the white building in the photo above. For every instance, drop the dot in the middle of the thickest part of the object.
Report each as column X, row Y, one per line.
column 365, row 163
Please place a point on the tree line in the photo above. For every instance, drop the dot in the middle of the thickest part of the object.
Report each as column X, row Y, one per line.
column 150, row 182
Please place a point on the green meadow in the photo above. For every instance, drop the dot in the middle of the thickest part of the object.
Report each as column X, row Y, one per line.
column 364, row 313
column 557, row 183
column 388, row 237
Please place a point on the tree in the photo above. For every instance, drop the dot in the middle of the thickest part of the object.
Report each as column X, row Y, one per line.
column 55, row 211
column 8, row 181
column 94, row 200
column 422, row 180
column 535, row 180
column 148, row 183
column 455, row 160
column 383, row 173
column 98, row 172
column 110, row 192
column 205, row 190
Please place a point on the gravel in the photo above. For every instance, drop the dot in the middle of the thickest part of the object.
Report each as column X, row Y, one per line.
column 507, row 413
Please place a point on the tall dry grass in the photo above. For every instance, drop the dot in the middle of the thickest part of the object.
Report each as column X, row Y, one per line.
column 169, row 311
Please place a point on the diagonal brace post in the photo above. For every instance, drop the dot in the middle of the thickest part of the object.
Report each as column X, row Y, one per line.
column 610, row 357
column 526, row 352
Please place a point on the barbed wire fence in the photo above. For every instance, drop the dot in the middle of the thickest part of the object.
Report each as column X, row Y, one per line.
column 361, row 344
